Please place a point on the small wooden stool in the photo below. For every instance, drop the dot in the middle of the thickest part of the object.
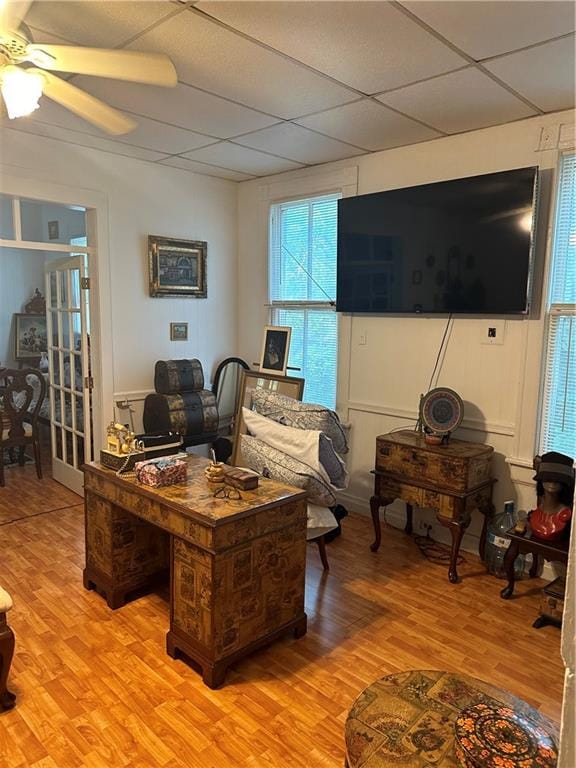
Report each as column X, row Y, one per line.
column 7, row 699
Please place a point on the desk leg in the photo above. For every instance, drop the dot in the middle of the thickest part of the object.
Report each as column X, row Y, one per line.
column 408, row 526
column 375, row 504
column 509, row 560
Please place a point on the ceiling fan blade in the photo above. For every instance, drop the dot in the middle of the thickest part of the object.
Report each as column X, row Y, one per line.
column 150, row 68
column 12, row 13
column 85, row 105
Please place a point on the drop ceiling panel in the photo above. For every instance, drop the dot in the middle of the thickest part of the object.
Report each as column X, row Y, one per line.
column 206, row 170
column 149, row 134
column 298, row 144
column 367, row 125
column 484, row 29
column 368, row 45
column 87, row 140
column 459, row 101
column 100, row 24
column 182, row 106
column 544, row 74
column 214, row 59
column 243, row 159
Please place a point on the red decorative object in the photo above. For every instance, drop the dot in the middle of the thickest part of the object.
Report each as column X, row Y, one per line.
column 549, row 526
column 499, row 737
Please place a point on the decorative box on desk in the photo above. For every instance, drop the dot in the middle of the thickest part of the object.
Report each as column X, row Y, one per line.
column 453, row 479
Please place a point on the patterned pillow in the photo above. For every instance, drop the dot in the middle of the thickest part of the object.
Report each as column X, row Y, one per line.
column 269, row 462
column 293, row 413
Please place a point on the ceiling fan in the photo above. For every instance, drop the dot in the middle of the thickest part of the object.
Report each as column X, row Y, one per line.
column 26, row 72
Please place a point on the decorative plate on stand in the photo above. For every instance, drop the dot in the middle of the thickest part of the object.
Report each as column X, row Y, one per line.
column 441, row 411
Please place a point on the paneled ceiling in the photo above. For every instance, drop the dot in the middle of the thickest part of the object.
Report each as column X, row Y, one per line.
column 265, row 87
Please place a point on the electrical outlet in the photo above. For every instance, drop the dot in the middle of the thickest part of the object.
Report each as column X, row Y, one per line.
column 494, row 332
column 549, row 137
column 363, row 338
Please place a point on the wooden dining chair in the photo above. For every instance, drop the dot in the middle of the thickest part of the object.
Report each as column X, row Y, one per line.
column 22, row 399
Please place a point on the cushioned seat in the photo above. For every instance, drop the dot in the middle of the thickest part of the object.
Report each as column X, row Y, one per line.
column 299, row 444
column 7, row 699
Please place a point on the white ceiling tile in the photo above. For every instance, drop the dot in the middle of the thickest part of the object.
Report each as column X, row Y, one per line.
column 483, row 29
column 459, row 101
column 85, row 140
column 206, row 170
column 368, row 125
column 149, row 134
column 368, row 45
column 298, row 144
column 101, row 24
column 210, row 57
column 544, row 74
column 182, row 106
column 228, row 155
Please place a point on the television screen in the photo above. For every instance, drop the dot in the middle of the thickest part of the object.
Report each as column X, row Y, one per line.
column 461, row 246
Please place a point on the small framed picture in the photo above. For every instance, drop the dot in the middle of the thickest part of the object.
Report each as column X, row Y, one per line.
column 53, row 230
column 275, row 347
column 178, row 331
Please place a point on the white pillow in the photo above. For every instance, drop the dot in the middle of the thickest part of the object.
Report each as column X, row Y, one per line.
column 308, row 446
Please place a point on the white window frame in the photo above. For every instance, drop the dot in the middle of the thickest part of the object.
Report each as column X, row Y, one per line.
column 275, row 306
column 554, row 312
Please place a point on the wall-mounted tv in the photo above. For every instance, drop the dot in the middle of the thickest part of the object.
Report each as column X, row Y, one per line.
column 462, row 246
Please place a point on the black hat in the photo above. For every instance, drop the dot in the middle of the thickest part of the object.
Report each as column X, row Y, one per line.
column 555, row 467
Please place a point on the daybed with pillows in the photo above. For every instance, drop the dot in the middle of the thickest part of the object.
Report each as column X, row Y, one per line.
column 300, row 444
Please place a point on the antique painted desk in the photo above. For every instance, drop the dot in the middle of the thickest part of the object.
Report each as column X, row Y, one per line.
column 237, row 568
column 452, row 479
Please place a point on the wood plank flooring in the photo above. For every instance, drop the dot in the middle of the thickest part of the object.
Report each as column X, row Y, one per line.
column 96, row 689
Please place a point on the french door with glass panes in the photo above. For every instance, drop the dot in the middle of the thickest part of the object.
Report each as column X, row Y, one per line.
column 68, row 327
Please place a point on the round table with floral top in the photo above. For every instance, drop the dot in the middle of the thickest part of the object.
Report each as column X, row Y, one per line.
column 410, row 720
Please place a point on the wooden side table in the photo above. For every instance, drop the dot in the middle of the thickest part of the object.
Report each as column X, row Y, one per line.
column 408, row 719
column 452, row 479
column 524, row 543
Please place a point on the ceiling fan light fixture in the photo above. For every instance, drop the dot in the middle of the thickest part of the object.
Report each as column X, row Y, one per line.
column 21, row 91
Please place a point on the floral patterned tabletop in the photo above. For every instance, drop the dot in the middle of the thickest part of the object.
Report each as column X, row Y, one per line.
column 409, row 720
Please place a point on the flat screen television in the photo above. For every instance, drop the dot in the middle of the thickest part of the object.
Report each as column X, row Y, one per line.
column 462, row 246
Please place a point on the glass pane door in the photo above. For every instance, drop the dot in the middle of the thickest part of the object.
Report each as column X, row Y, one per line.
column 68, row 320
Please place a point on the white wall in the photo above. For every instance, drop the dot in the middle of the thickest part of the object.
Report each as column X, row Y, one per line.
column 141, row 199
column 20, row 273
column 380, row 382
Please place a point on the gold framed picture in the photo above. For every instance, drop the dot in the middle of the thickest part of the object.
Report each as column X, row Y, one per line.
column 177, row 267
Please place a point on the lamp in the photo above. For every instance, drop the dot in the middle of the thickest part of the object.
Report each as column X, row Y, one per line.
column 21, row 90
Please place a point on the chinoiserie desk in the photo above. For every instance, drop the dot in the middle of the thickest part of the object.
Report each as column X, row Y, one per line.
column 237, row 567
column 452, row 479
column 408, row 720
column 523, row 543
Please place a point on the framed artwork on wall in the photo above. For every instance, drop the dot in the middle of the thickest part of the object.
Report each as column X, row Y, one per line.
column 31, row 338
column 251, row 380
column 275, row 348
column 178, row 331
column 177, row 267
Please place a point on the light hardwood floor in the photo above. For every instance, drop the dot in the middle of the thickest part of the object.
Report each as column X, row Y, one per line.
column 96, row 689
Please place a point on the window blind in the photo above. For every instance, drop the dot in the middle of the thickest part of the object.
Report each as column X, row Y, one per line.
column 558, row 432
column 302, row 289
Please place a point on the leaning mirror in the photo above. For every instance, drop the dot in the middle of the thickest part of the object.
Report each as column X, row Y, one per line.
column 226, row 388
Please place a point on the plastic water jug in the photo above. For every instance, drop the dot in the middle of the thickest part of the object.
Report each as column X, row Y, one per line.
column 497, row 542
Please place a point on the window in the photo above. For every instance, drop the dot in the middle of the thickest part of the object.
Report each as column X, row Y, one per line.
column 559, row 390
column 303, row 290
